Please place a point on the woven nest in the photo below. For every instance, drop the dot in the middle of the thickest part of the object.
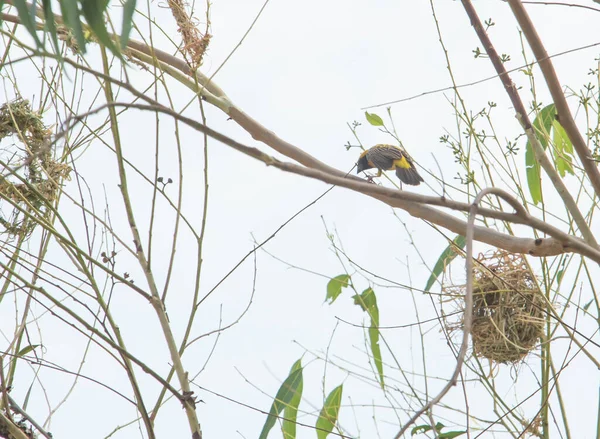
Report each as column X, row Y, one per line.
column 508, row 308
column 31, row 178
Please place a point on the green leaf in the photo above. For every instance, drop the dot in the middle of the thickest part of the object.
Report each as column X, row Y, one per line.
column 424, row 428
column 560, row 274
column 587, row 305
column 563, row 149
column 27, row 18
column 368, row 302
column 93, row 11
column 26, row 350
column 376, row 350
column 50, row 25
column 373, row 119
column 1, row 6
column 71, row 13
column 284, row 395
column 451, row 434
column 334, row 287
column 128, row 10
column 329, row 413
column 290, row 413
column 445, row 258
column 541, row 127
column 534, row 178
column 542, row 124
column 420, row 429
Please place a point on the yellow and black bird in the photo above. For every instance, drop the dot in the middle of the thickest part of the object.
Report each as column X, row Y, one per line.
column 387, row 158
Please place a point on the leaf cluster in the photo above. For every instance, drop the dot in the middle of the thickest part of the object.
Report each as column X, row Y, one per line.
column 72, row 22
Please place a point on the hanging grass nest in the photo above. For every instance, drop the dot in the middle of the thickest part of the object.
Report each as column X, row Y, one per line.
column 508, row 308
column 30, row 176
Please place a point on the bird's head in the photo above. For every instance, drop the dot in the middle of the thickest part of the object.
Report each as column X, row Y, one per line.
column 363, row 164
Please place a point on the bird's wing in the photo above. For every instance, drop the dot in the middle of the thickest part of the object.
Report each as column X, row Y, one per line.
column 383, row 156
column 380, row 159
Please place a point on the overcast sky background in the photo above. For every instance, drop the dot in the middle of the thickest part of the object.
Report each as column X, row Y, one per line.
column 305, row 71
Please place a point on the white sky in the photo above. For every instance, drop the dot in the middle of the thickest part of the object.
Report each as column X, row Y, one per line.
column 305, row 71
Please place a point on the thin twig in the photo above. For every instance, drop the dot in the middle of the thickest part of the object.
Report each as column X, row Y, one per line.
column 468, row 314
column 157, row 304
column 477, row 82
column 32, row 421
column 570, row 5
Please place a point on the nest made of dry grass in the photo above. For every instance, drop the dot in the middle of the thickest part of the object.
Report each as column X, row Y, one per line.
column 509, row 310
column 31, row 179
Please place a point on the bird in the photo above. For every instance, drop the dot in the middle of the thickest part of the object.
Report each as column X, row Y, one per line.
column 387, row 158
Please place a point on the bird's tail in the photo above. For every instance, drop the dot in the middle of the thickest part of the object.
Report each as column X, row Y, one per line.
column 409, row 176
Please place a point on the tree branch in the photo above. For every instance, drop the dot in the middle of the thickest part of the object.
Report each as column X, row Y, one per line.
column 188, row 402
column 564, row 113
column 468, row 314
column 416, row 204
column 262, row 134
column 522, row 117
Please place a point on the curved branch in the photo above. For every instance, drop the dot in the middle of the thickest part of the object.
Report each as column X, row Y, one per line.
column 417, row 205
column 530, row 246
column 414, row 204
column 468, row 315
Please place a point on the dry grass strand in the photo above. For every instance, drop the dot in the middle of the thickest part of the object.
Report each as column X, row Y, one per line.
column 39, row 176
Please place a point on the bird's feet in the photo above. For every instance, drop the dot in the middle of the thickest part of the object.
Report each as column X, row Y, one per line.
column 370, row 178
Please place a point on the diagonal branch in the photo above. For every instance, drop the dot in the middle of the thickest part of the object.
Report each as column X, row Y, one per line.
column 262, row 134
column 413, row 203
column 189, row 404
column 523, row 118
column 417, row 205
column 559, row 243
column 564, row 113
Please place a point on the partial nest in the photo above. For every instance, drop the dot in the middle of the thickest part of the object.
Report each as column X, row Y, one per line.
column 508, row 308
column 31, row 177
column 7, row 429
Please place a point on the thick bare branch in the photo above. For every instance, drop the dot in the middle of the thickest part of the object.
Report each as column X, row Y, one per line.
column 518, row 245
column 414, row 204
column 417, row 205
column 523, row 118
column 564, row 113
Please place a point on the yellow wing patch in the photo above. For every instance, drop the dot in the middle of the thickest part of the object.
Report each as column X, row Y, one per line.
column 402, row 163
